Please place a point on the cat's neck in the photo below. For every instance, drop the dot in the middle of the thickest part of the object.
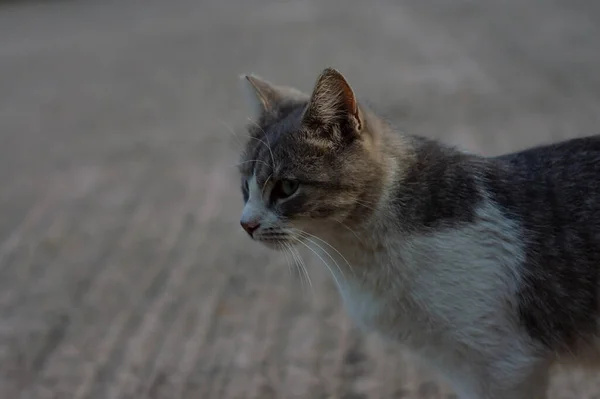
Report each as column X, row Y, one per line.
column 427, row 187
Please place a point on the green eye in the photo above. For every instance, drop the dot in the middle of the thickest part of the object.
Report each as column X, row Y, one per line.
column 285, row 188
column 289, row 187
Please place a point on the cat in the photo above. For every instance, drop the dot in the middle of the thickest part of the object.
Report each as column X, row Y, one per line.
column 487, row 268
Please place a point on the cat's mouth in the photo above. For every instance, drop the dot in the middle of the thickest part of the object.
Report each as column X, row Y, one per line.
column 276, row 239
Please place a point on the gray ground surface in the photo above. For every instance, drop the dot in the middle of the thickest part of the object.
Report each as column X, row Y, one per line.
column 123, row 272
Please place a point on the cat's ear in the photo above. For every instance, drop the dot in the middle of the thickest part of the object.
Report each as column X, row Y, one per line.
column 266, row 98
column 333, row 103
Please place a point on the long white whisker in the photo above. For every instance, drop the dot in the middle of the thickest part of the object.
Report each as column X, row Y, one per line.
column 350, row 230
column 232, row 132
column 266, row 145
column 284, row 247
column 266, row 137
column 322, row 260
column 364, row 204
column 298, row 264
column 302, row 266
column 265, row 185
column 323, row 249
column 337, row 266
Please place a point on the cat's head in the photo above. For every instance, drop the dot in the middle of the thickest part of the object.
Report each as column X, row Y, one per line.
column 311, row 162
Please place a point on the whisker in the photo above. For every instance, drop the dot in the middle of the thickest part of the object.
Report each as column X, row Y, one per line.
column 349, row 229
column 265, row 185
column 230, row 129
column 297, row 266
column 285, row 250
column 268, row 147
column 303, row 264
column 323, row 249
column 367, row 202
column 337, row 266
column 364, row 204
column 302, row 267
column 323, row 260
column 266, row 137
column 251, row 160
column 296, row 263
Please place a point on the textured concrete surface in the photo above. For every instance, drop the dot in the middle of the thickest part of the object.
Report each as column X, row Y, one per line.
column 123, row 271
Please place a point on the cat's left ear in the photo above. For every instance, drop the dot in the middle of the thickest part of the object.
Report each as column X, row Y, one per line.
column 268, row 99
column 333, row 103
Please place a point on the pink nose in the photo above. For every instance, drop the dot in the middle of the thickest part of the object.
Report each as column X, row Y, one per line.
column 250, row 226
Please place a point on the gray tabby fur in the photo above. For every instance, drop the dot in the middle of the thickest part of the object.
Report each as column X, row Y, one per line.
column 486, row 268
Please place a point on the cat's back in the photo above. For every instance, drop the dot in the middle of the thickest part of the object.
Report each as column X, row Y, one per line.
column 563, row 162
column 553, row 193
column 557, row 185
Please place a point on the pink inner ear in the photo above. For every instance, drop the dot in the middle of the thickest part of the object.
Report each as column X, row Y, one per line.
column 333, row 99
column 348, row 97
column 351, row 104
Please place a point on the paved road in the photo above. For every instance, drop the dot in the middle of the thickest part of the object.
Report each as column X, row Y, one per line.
column 123, row 273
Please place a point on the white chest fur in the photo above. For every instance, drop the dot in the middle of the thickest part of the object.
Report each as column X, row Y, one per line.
column 453, row 285
column 448, row 296
column 362, row 306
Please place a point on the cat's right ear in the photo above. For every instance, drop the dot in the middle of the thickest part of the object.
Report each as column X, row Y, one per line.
column 265, row 98
column 333, row 103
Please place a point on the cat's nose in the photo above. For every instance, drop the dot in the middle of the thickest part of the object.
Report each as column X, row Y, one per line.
column 250, row 226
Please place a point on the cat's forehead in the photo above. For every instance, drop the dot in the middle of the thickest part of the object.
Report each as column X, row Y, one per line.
column 287, row 149
column 292, row 158
column 278, row 157
column 270, row 144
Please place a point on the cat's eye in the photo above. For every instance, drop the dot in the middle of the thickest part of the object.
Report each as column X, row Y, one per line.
column 284, row 188
column 245, row 190
column 289, row 187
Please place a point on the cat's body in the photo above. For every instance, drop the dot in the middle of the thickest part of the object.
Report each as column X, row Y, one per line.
column 486, row 268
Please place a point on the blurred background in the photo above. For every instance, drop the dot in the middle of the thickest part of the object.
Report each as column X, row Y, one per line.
column 123, row 269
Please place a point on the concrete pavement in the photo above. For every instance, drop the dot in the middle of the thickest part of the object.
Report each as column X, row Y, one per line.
column 123, row 272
